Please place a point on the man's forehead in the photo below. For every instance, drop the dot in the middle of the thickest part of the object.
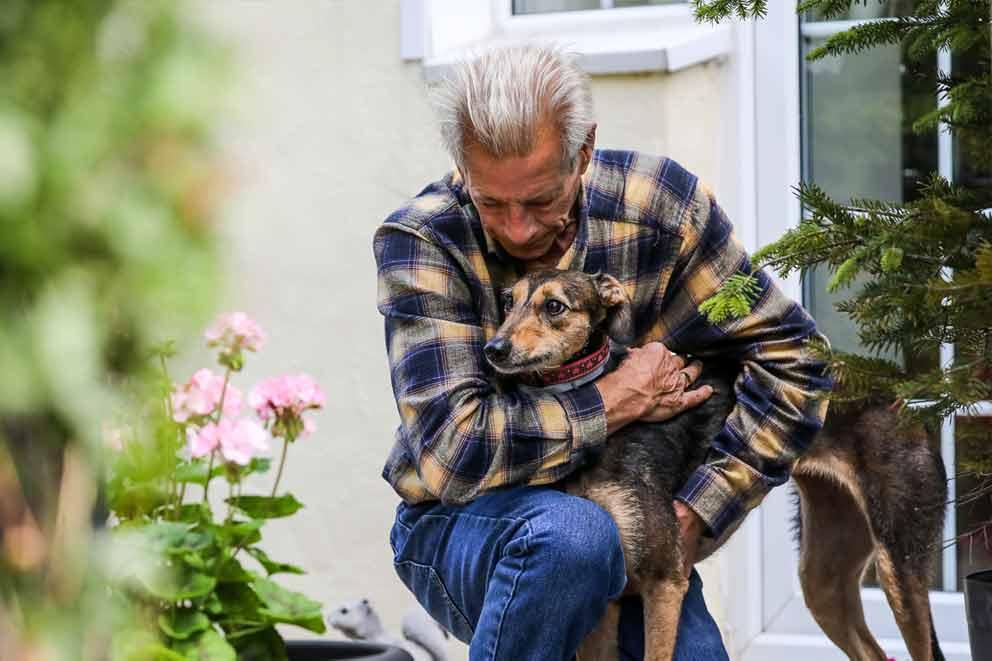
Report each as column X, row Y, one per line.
column 514, row 177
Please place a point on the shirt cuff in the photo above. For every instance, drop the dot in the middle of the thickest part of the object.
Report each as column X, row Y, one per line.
column 710, row 495
column 586, row 414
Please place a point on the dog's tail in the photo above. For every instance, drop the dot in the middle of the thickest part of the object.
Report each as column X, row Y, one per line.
column 934, row 645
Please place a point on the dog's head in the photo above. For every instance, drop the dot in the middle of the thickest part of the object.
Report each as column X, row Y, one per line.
column 552, row 315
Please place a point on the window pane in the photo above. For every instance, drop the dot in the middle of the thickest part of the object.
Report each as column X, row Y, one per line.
column 858, row 143
column 546, row 6
column 549, row 6
column 966, row 170
column 973, row 441
column 858, row 115
column 641, row 3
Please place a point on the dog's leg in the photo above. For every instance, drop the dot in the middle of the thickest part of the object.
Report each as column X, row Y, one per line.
column 908, row 597
column 602, row 643
column 662, row 608
column 835, row 546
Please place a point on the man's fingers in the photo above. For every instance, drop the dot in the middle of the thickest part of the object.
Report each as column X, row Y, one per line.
column 693, row 398
column 693, row 370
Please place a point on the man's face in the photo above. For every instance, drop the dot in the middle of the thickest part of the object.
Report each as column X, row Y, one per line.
column 524, row 202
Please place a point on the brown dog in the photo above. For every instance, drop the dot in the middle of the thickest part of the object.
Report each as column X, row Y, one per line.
column 868, row 489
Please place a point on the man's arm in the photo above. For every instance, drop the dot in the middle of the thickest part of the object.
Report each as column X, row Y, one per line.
column 781, row 390
column 464, row 435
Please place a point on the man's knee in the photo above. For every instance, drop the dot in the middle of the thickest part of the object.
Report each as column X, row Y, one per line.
column 581, row 542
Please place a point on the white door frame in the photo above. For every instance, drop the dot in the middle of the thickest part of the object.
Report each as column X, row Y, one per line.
column 767, row 619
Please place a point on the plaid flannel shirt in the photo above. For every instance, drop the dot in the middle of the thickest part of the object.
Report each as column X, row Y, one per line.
column 649, row 223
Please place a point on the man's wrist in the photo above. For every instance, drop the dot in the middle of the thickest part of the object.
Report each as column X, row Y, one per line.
column 620, row 406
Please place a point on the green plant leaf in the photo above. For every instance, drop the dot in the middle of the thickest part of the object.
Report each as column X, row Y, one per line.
column 260, row 465
column 161, row 536
column 892, row 259
column 272, row 567
column 183, row 583
column 242, row 533
column 212, row 604
column 282, row 605
column 140, row 645
column 181, row 624
column 208, row 646
column 265, row 644
column 195, row 472
column 238, row 602
column 231, row 571
column 266, row 507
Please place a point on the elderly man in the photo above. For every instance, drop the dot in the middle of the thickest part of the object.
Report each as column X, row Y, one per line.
column 509, row 564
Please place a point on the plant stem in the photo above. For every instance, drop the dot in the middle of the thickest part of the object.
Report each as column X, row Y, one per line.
column 230, row 507
column 210, row 469
column 223, row 394
column 219, row 414
column 282, row 462
column 179, row 503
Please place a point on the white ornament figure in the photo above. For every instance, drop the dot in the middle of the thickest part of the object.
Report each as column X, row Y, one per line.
column 358, row 621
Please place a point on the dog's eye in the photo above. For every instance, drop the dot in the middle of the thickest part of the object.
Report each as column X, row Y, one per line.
column 507, row 299
column 554, row 307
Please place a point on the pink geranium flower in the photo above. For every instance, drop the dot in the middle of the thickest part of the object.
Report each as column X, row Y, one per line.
column 286, row 398
column 235, row 331
column 201, row 396
column 238, row 440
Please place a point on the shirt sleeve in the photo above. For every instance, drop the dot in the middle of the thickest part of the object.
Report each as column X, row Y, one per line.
column 782, row 387
column 463, row 434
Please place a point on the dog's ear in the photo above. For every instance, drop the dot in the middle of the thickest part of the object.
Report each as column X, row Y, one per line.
column 619, row 319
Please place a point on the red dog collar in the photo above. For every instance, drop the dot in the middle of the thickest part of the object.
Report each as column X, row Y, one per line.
column 573, row 371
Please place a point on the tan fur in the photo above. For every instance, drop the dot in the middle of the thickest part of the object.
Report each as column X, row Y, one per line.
column 837, row 543
column 836, row 547
column 611, row 498
column 909, row 608
column 601, row 643
column 662, row 607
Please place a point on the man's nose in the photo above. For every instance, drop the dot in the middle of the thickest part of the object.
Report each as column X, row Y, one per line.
column 521, row 227
column 497, row 349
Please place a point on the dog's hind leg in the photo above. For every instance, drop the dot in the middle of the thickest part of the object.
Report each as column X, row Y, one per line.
column 907, row 591
column 662, row 608
column 835, row 546
column 602, row 643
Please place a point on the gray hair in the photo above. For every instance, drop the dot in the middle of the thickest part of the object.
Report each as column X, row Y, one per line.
column 500, row 97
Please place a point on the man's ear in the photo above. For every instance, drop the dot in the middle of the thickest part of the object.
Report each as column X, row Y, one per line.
column 585, row 151
column 619, row 318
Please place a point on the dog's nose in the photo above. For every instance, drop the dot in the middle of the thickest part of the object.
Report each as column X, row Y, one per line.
column 497, row 349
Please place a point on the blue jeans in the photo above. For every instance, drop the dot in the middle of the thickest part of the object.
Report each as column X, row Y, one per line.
column 525, row 573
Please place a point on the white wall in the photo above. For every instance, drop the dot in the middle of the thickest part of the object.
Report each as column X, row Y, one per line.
column 332, row 132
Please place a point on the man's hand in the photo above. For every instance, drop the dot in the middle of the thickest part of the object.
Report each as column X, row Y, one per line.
column 691, row 527
column 651, row 384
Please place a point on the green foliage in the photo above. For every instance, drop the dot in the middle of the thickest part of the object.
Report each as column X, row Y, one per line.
column 715, row 10
column 108, row 179
column 923, row 268
column 265, row 507
column 734, row 301
column 187, row 574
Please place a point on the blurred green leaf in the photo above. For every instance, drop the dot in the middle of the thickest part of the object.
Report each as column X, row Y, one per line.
column 266, row 507
column 290, row 607
column 183, row 623
column 208, row 646
column 270, row 566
